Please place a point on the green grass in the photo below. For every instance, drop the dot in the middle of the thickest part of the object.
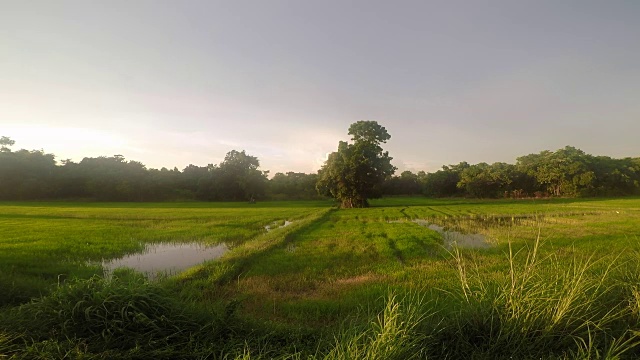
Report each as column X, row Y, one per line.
column 560, row 281
column 45, row 243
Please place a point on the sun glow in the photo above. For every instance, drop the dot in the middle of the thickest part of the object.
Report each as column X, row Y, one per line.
column 65, row 142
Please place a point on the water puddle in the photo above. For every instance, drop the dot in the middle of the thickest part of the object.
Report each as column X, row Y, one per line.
column 166, row 258
column 277, row 225
column 467, row 230
column 456, row 238
column 477, row 223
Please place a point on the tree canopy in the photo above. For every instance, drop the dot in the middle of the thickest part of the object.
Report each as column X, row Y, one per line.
column 236, row 178
column 357, row 171
column 566, row 172
column 5, row 142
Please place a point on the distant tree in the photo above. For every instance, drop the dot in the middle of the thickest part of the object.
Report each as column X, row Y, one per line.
column 243, row 178
column 191, row 178
column 483, row 180
column 356, row 172
column 71, row 181
column 113, row 178
column 163, row 184
column 405, row 184
column 614, row 177
column 293, row 186
column 443, row 183
column 564, row 172
column 26, row 175
column 478, row 181
column 5, row 142
column 234, row 179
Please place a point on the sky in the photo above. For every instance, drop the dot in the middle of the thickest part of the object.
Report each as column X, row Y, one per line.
column 173, row 83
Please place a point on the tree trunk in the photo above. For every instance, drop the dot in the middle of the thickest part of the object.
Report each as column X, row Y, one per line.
column 350, row 203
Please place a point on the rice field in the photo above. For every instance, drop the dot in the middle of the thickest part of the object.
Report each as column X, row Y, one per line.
column 403, row 279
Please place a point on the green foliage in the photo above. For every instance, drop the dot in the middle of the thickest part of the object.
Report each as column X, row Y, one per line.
column 9, row 344
column 6, row 142
column 541, row 307
column 42, row 244
column 106, row 178
column 354, row 174
column 407, row 183
column 357, row 171
column 122, row 317
column 392, row 335
column 443, row 183
column 293, row 186
column 236, row 178
column 121, row 313
column 34, row 175
column 487, row 181
column 567, row 172
column 26, row 174
column 563, row 172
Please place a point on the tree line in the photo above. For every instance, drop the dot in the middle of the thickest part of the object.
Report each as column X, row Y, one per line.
column 347, row 176
column 36, row 175
column 567, row 172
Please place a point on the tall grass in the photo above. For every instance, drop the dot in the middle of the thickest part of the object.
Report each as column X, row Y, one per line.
column 9, row 345
column 392, row 335
column 542, row 307
column 126, row 316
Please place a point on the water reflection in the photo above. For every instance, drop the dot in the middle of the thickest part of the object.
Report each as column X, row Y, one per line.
column 277, row 225
column 478, row 223
column 166, row 258
column 456, row 238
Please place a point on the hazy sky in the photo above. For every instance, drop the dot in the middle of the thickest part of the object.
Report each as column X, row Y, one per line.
column 170, row 83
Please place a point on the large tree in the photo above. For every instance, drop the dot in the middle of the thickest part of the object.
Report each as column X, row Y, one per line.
column 564, row 172
column 236, row 178
column 293, row 186
column 356, row 172
column 483, row 180
column 25, row 175
column 443, row 183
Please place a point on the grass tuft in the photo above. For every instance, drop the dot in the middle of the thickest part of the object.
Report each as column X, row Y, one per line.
column 126, row 313
column 391, row 336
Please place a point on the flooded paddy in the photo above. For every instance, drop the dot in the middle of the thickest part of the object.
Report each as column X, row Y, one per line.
column 479, row 223
column 456, row 238
column 172, row 258
column 166, row 258
column 470, row 231
column 277, row 225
